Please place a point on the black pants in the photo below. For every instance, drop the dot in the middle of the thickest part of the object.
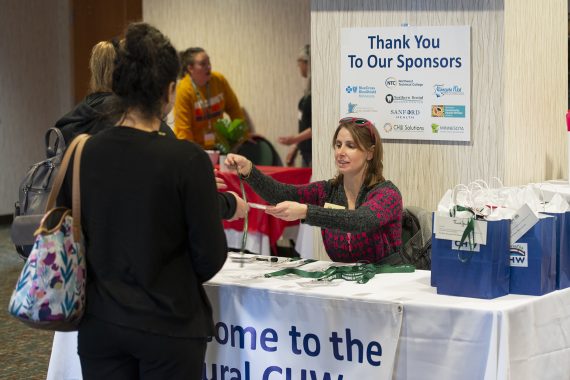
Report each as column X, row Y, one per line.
column 109, row 352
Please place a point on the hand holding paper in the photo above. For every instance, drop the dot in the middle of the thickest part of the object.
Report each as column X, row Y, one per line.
column 288, row 210
column 257, row 206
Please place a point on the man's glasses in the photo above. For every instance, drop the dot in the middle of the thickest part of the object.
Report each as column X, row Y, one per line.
column 204, row 63
column 361, row 123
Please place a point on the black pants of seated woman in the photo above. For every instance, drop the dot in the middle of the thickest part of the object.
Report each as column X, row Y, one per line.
column 111, row 352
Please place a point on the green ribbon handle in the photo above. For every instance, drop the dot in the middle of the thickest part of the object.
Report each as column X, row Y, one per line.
column 468, row 233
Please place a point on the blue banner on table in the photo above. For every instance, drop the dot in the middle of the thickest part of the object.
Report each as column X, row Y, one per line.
column 533, row 260
column 482, row 272
column 562, row 249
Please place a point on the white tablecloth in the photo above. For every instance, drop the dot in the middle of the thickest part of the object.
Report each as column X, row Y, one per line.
column 441, row 337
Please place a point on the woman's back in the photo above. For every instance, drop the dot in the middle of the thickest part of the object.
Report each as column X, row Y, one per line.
column 152, row 228
column 151, row 220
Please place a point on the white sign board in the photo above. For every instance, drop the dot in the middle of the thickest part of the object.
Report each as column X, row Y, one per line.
column 413, row 83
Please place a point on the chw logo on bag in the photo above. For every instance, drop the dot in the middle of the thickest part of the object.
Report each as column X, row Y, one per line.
column 456, row 245
column 519, row 255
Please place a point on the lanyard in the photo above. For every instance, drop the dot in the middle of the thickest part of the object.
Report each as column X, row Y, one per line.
column 245, row 219
column 360, row 273
column 202, row 101
column 468, row 234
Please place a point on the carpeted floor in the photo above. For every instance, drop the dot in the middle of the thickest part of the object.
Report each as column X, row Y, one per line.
column 24, row 352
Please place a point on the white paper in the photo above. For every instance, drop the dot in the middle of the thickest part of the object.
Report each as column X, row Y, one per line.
column 450, row 228
column 522, row 221
column 257, row 206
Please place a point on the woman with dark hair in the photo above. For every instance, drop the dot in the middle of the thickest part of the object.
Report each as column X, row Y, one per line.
column 151, row 227
column 202, row 97
column 359, row 212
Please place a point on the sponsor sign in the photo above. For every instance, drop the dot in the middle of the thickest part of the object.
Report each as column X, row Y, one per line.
column 413, row 82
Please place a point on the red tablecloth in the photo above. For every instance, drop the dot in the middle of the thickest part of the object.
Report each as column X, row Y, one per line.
column 259, row 221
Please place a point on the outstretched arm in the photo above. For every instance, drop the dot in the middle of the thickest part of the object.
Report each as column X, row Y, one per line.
column 382, row 206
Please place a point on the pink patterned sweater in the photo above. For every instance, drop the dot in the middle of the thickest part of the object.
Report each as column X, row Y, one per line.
column 369, row 233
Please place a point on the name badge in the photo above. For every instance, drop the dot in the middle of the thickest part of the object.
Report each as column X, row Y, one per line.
column 332, row 205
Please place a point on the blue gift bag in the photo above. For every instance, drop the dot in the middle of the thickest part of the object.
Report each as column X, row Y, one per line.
column 480, row 273
column 562, row 249
column 533, row 260
column 434, row 270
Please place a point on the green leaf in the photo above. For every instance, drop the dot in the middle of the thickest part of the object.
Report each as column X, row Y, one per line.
column 229, row 134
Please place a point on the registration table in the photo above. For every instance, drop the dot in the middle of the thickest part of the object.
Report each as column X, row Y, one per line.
column 393, row 327
column 264, row 230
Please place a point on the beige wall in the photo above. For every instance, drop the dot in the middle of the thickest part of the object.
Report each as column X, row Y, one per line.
column 518, row 101
column 35, row 88
column 536, row 90
column 254, row 43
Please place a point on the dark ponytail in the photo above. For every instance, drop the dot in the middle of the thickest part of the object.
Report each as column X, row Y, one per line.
column 146, row 64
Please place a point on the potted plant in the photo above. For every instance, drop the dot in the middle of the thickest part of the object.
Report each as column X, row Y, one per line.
column 230, row 134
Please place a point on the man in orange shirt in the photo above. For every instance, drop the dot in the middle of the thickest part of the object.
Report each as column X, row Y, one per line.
column 202, row 97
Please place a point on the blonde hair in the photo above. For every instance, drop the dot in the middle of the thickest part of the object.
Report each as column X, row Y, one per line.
column 102, row 64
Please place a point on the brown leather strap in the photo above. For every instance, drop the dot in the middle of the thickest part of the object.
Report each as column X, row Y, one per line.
column 75, row 194
column 76, row 145
column 58, row 181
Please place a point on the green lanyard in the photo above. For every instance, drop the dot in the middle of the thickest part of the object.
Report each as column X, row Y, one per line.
column 360, row 273
column 468, row 234
column 245, row 219
column 201, row 100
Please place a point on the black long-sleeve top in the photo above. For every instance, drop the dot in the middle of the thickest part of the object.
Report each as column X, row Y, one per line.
column 152, row 229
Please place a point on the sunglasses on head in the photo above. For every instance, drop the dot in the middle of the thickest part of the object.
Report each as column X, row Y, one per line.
column 361, row 123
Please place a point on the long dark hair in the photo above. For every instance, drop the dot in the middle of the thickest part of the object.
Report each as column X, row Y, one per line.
column 146, row 64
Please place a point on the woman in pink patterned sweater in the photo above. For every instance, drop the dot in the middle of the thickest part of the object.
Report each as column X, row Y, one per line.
column 359, row 212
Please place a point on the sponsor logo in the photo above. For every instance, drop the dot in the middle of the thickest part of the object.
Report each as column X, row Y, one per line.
column 456, row 245
column 404, row 99
column 366, row 90
column 362, row 91
column 351, row 107
column 448, row 111
column 519, row 255
column 440, row 90
column 355, row 108
column 407, row 128
column 437, row 128
column 391, row 82
column 409, row 83
column 403, row 113
column 388, row 127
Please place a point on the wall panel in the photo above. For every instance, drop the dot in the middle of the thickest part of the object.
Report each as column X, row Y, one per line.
column 536, row 90
column 35, row 85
